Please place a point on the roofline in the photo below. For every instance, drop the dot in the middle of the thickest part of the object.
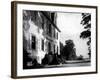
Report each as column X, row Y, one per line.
column 50, row 21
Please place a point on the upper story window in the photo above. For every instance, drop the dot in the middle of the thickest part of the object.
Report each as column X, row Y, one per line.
column 57, row 35
column 49, row 28
column 43, row 22
column 52, row 17
column 33, row 15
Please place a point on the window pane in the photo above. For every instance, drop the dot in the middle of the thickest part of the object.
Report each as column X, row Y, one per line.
column 42, row 45
column 33, row 42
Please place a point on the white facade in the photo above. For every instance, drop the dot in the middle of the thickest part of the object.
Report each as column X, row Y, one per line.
column 37, row 36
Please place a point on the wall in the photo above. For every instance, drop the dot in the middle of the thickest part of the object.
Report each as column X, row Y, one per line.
column 5, row 40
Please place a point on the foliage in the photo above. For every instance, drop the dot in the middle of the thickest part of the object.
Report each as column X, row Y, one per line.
column 80, row 57
column 68, row 52
column 85, row 34
column 51, row 59
column 86, row 22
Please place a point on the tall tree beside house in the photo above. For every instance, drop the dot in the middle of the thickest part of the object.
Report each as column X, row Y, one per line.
column 69, row 51
column 86, row 34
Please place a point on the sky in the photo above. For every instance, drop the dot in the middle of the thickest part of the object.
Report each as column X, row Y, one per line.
column 69, row 24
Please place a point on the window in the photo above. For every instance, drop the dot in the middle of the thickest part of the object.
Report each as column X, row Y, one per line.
column 54, row 49
column 49, row 47
column 33, row 42
column 33, row 15
column 49, row 28
column 57, row 35
column 42, row 44
column 42, row 23
column 52, row 17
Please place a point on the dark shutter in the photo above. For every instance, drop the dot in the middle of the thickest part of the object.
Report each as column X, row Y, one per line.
column 33, row 42
column 42, row 45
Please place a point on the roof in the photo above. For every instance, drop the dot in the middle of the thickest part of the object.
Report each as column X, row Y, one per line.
column 47, row 16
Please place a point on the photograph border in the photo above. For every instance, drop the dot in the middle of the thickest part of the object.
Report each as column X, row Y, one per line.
column 14, row 37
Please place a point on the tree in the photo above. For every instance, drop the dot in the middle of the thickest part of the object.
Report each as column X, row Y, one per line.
column 86, row 22
column 80, row 57
column 68, row 52
column 61, row 47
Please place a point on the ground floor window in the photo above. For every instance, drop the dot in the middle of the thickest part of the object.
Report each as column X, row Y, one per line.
column 49, row 47
column 33, row 45
column 54, row 48
column 42, row 44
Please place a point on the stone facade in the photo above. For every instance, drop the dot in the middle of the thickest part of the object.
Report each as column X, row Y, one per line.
column 40, row 34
